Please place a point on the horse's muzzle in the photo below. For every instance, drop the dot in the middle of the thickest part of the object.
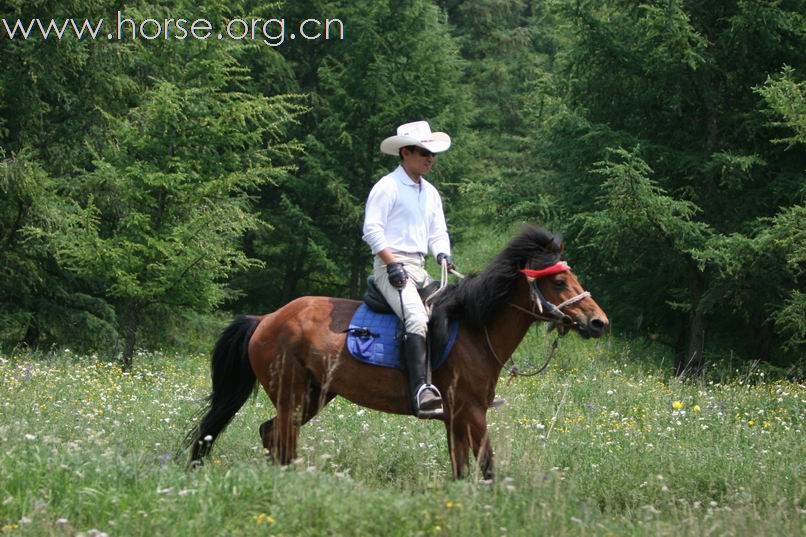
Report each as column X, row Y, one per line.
column 593, row 327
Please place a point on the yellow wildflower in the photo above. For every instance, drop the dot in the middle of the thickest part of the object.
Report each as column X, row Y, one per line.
column 263, row 518
column 696, row 408
column 678, row 405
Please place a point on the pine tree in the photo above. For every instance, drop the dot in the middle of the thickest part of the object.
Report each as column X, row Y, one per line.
column 159, row 149
column 660, row 98
column 49, row 93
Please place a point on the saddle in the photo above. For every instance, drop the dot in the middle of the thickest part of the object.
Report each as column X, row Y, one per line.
column 441, row 332
column 376, row 301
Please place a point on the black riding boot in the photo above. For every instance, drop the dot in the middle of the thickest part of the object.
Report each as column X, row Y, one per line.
column 426, row 401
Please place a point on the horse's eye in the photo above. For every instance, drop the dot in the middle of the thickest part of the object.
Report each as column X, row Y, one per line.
column 560, row 284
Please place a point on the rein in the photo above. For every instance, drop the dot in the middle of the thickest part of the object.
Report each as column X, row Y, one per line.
column 558, row 320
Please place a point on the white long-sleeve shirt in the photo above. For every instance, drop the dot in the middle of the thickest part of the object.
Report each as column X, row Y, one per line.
column 405, row 216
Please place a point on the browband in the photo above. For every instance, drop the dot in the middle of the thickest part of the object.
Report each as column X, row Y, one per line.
column 562, row 266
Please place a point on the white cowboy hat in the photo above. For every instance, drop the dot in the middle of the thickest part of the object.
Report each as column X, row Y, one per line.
column 419, row 134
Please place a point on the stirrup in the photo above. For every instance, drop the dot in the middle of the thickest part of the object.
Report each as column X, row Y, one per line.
column 431, row 413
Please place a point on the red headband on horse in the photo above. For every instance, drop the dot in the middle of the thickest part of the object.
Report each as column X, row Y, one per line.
column 556, row 268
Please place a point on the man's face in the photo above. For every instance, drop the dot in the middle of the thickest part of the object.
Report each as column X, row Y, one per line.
column 417, row 160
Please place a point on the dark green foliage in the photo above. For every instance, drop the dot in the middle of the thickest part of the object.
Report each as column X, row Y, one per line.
column 49, row 94
column 135, row 200
column 38, row 300
column 661, row 156
column 147, row 182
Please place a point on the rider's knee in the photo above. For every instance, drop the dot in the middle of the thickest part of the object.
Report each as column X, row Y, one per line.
column 417, row 324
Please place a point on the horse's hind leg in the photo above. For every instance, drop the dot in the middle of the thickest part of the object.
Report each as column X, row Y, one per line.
column 285, row 431
column 267, row 437
column 315, row 400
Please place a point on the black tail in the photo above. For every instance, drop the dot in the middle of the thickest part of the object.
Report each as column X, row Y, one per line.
column 233, row 381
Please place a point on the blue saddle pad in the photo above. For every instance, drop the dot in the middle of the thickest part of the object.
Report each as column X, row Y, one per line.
column 373, row 338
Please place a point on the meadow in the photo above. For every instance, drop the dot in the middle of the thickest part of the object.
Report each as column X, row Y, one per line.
column 604, row 443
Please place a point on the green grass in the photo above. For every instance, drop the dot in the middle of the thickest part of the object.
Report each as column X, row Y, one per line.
column 592, row 447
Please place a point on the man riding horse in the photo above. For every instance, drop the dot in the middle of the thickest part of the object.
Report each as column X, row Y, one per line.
column 403, row 220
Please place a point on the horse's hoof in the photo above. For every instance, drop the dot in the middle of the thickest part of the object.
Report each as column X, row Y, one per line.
column 486, row 481
column 498, row 402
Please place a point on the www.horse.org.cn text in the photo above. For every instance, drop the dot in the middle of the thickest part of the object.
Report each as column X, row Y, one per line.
column 272, row 32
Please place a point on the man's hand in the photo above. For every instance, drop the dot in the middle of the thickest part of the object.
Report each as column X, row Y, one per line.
column 397, row 275
column 447, row 258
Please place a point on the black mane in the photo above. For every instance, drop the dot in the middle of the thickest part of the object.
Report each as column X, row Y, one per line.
column 478, row 299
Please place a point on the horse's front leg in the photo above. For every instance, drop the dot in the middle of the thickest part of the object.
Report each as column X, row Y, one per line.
column 469, row 431
column 484, row 455
column 458, row 447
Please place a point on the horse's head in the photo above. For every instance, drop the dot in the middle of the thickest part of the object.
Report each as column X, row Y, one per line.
column 558, row 296
column 529, row 274
column 564, row 299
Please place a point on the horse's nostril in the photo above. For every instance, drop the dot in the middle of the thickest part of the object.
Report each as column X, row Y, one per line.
column 597, row 324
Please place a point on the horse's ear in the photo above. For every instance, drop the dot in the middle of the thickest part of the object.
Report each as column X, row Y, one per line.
column 558, row 244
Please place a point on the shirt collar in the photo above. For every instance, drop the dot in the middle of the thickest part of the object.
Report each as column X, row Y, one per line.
column 401, row 175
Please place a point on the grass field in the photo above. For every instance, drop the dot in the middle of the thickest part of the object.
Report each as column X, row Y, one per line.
column 602, row 444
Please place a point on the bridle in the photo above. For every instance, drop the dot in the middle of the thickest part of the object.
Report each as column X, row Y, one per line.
column 546, row 311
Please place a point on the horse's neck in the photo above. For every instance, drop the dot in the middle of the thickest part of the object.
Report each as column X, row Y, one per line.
column 509, row 328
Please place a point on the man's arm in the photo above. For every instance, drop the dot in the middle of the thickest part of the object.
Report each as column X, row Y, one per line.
column 379, row 203
column 387, row 256
column 438, row 240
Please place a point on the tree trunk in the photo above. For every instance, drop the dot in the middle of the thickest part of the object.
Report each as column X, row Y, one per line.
column 293, row 273
column 31, row 336
column 766, row 338
column 130, row 324
column 357, row 272
column 692, row 362
column 691, row 358
column 22, row 208
column 760, row 346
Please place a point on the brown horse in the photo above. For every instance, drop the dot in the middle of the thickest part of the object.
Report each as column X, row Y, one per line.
column 299, row 354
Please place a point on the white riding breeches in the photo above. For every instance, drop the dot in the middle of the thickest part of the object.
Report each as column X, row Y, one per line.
column 415, row 315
